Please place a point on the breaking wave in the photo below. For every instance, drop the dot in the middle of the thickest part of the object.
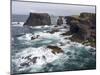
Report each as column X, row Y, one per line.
column 34, row 56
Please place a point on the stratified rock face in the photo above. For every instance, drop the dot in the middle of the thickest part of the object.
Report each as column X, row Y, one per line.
column 83, row 27
column 35, row 19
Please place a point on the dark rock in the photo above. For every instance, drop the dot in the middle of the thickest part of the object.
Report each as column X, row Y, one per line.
column 54, row 30
column 32, row 38
column 59, row 21
column 24, row 64
column 37, row 36
column 66, row 33
column 92, row 50
column 82, row 27
column 68, row 53
column 43, row 57
column 61, row 44
column 56, row 26
column 34, row 59
column 70, row 56
column 75, row 53
column 28, row 57
column 55, row 49
column 35, row 19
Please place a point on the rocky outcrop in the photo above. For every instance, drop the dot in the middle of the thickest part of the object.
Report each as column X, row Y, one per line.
column 35, row 19
column 82, row 27
column 59, row 21
column 55, row 49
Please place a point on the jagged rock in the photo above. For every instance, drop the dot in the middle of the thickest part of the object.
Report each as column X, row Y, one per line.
column 34, row 59
column 61, row 43
column 82, row 27
column 33, row 37
column 59, row 21
column 28, row 57
column 55, row 49
column 66, row 33
column 53, row 31
column 56, row 26
column 36, row 19
column 24, row 64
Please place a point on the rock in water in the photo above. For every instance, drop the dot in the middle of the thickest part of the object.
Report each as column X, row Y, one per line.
column 24, row 64
column 59, row 21
column 34, row 59
column 35, row 19
column 55, row 49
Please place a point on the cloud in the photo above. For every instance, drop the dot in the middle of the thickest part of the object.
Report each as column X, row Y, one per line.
column 55, row 9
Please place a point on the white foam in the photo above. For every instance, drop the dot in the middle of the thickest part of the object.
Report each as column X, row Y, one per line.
column 25, row 37
column 38, row 27
column 55, row 59
column 20, row 24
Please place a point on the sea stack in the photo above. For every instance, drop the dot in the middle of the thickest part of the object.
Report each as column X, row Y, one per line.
column 36, row 19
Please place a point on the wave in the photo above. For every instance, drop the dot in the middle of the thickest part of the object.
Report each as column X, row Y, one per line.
column 35, row 56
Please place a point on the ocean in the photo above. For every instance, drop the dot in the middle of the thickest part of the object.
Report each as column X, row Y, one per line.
column 33, row 56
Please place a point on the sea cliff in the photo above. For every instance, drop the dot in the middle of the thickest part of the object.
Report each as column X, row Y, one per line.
column 83, row 28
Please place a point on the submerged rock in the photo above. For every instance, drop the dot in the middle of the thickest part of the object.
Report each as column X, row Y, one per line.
column 55, row 49
column 28, row 57
column 68, row 53
column 33, row 37
column 34, row 59
column 92, row 50
column 61, row 43
column 35, row 19
column 43, row 57
column 66, row 33
column 54, row 30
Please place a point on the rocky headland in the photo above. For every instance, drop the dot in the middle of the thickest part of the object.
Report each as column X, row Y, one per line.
column 82, row 28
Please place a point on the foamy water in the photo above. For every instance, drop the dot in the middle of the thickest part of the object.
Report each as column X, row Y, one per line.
column 34, row 56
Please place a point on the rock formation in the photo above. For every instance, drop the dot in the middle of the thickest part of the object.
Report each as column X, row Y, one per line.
column 59, row 21
column 55, row 49
column 82, row 27
column 36, row 19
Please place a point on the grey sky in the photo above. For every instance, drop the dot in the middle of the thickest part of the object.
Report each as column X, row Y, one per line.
column 55, row 9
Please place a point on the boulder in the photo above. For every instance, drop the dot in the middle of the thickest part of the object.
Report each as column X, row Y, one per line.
column 36, row 19
column 55, row 49
column 34, row 59
column 24, row 64
column 53, row 31
column 28, row 57
column 66, row 33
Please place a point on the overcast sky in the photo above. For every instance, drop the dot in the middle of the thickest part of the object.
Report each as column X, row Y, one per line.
column 56, row 9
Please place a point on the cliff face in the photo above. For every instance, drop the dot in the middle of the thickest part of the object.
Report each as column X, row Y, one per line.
column 35, row 19
column 83, row 27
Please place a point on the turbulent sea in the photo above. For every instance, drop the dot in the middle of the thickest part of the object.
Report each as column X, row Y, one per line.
column 75, row 56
